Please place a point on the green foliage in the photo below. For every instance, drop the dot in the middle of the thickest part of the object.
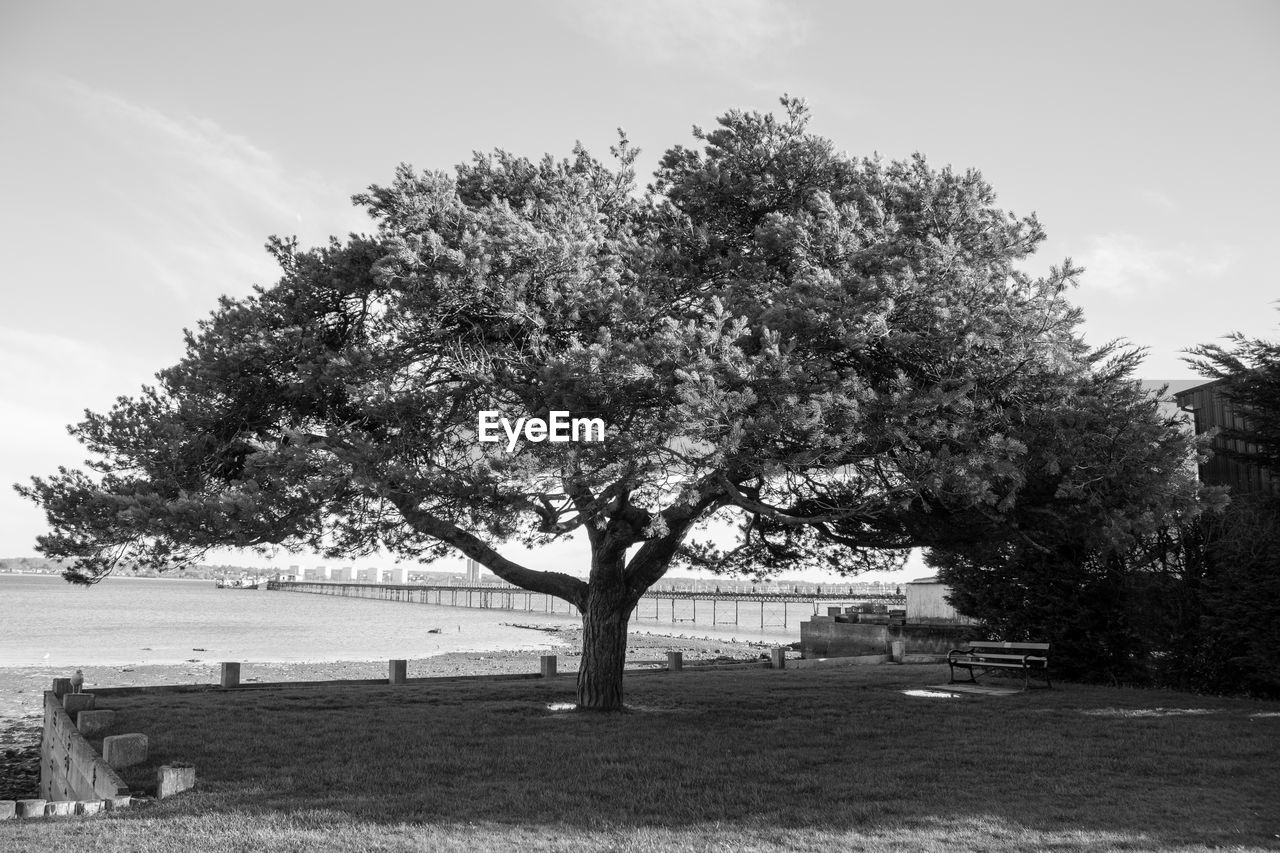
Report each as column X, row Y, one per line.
column 776, row 332
column 1239, row 640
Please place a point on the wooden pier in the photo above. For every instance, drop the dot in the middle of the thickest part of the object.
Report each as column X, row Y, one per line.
column 757, row 610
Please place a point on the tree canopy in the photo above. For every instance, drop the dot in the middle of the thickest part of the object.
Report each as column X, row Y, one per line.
column 839, row 354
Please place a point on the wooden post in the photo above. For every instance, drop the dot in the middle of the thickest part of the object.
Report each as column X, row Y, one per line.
column 675, row 661
column 397, row 670
column 230, row 674
column 548, row 666
column 778, row 658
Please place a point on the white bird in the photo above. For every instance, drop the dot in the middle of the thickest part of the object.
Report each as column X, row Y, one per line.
column 77, row 681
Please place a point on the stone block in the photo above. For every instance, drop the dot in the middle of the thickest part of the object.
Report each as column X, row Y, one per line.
column 778, row 658
column 548, row 666
column 74, row 703
column 230, row 674
column 88, row 807
column 112, row 804
column 174, row 779
column 397, row 671
column 61, row 808
column 675, row 661
column 125, row 750
column 8, row 808
column 94, row 723
column 61, row 687
column 29, row 808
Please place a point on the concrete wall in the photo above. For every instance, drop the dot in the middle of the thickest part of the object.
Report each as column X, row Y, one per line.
column 932, row 640
column 71, row 769
column 824, row 637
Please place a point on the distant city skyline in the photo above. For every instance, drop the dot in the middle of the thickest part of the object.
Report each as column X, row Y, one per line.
column 154, row 147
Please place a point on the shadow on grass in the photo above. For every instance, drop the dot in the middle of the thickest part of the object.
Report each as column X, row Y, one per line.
column 806, row 753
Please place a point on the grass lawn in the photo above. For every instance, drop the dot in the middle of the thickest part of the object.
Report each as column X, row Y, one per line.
column 814, row 759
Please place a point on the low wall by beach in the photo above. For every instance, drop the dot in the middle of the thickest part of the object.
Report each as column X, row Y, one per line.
column 823, row 636
column 71, row 769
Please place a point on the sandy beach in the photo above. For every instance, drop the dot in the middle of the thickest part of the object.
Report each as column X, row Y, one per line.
column 21, row 688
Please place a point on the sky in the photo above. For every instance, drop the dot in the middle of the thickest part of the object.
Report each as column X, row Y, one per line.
column 149, row 149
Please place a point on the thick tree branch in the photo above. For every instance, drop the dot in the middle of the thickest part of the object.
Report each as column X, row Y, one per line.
column 773, row 513
column 562, row 586
column 653, row 558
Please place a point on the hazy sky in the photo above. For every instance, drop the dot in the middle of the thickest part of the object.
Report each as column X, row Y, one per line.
column 148, row 149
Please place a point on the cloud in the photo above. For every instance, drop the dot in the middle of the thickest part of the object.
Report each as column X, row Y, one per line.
column 192, row 202
column 1159, row 200
column 58, row 375
column 714, row 32
column 248, row 171
column 1129, row 266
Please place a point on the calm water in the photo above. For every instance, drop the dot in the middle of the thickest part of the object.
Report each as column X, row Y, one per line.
column 46, row 621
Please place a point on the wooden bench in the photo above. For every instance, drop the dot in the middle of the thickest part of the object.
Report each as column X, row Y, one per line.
column 983, row 656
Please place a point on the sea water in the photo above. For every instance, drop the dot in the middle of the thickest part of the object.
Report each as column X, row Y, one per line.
column 119, row 621
column 123, row 620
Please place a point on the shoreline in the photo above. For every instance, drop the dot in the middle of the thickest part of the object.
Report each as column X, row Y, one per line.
column 22, row 687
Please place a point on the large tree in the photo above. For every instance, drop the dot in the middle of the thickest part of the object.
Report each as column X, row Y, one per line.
column 775, row 334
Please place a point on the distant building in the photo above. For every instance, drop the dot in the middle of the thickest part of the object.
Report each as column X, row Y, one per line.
column 473, row 572
column 1212, row 409
column 927, row 604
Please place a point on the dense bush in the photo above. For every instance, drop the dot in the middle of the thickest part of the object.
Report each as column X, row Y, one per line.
column 1240, row 623
column 1194, row 605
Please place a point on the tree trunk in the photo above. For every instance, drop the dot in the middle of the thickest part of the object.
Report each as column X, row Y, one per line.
column 604, row 647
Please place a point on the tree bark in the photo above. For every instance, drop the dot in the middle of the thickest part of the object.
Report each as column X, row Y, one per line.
column 604, row 647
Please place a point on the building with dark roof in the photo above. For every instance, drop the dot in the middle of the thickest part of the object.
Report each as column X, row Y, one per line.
column 1230, row 464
